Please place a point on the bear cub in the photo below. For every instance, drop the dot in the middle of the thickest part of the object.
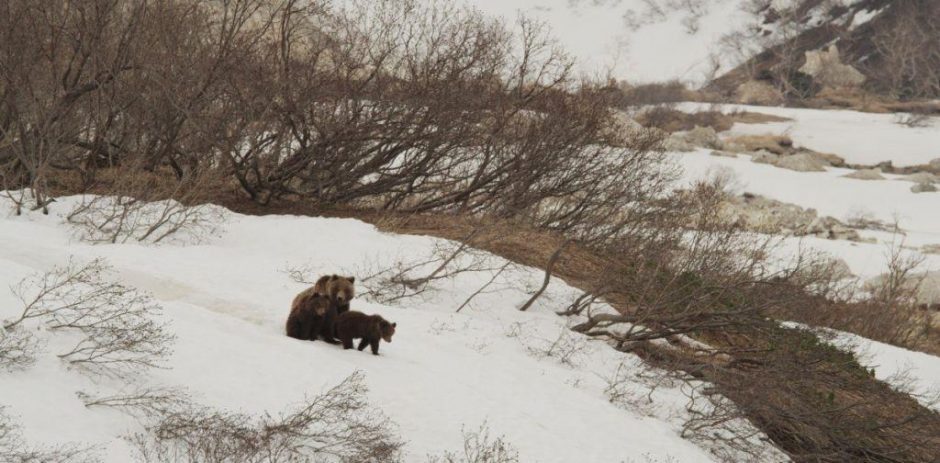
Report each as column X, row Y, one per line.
column 371, row 328
column 314, row 310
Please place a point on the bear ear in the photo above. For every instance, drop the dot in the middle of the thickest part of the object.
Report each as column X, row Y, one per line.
column 334, row 277
column 394, row 325
column 351, row 279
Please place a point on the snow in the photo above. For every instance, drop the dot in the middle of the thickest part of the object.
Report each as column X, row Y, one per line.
column 675, row 45
column 226, row 300
column 843, row 198
column 860, row 138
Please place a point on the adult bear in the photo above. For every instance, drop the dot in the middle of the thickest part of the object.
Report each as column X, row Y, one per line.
column 314, row 310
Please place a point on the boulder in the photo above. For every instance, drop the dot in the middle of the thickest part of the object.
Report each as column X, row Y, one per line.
column 922, row 177
column 930, row 249
column 765, row 215
column 828, row 158
column 764, row 157
column 801, row 162
column 925, row 285
column 935, row 164
column 704, row 137
column 677, row 142
column 827, row 69
column 866, row 174
column 776, row 144
column 923, row 188
column 723, row 154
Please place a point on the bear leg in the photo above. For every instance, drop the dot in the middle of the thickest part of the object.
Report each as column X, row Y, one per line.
column 375, row 346
column 347, row 343
column 363, row 343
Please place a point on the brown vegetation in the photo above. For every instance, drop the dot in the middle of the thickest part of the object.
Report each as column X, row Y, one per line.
column 673, row 120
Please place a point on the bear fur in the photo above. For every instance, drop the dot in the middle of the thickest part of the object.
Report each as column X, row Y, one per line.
column 307, row 314
column 371, row 328
column 314, row 310
column 340, row 290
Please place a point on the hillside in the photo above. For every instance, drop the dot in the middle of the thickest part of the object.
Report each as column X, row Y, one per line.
column 523, row 375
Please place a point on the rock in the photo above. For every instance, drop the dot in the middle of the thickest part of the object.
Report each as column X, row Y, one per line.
column 705, row 137
column 827, row 69
column 801, row 162
column 930, row 249
column 776, row 144
column 866, row 174
column 923, row 188
column 927, row 291
column 935, row 164
column 830, row 228
column 677, row 142
column 758, row 93
column 723, row 154
column 828, row 158
column 764, row 157
column 922, row 177
column 698, row 137
column 765, row 215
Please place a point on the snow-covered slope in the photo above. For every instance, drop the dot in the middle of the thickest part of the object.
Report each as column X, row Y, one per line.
column 226, row 300
column 633, row 41
column 860, row 138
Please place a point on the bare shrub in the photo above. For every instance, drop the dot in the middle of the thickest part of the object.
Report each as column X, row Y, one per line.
column 914, row 120
column 480, row 447
column 147, row 207
column 417, row 277
column 14, row 449
column 653, row 94
column 141, row 401
column 338, row 424
column 118, row 325
column 18, row 348
column 567, row 348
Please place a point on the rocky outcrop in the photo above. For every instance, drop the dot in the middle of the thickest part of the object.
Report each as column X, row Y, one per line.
column 924, row 285
column 923, row 188
column 765, row 215
column 827, row 69
column 923, row 177
column 866, row 174
column 801, row 162
column 699, row 137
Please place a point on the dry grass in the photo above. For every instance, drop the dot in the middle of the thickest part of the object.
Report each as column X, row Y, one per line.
column 672, row 120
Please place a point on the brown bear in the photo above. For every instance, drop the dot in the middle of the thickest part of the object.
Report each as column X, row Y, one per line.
column 314, row 310
column 307, row 314
column 371, row 328
column 339, row 289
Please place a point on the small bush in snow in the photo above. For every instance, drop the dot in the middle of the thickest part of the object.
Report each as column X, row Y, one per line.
column 17, row 348
column 14, row 449
column 480, row 447
column 122, row 219
column 338, row 425
column 118, row 325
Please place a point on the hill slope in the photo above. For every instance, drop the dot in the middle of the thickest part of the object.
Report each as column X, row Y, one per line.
column 522, row 374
